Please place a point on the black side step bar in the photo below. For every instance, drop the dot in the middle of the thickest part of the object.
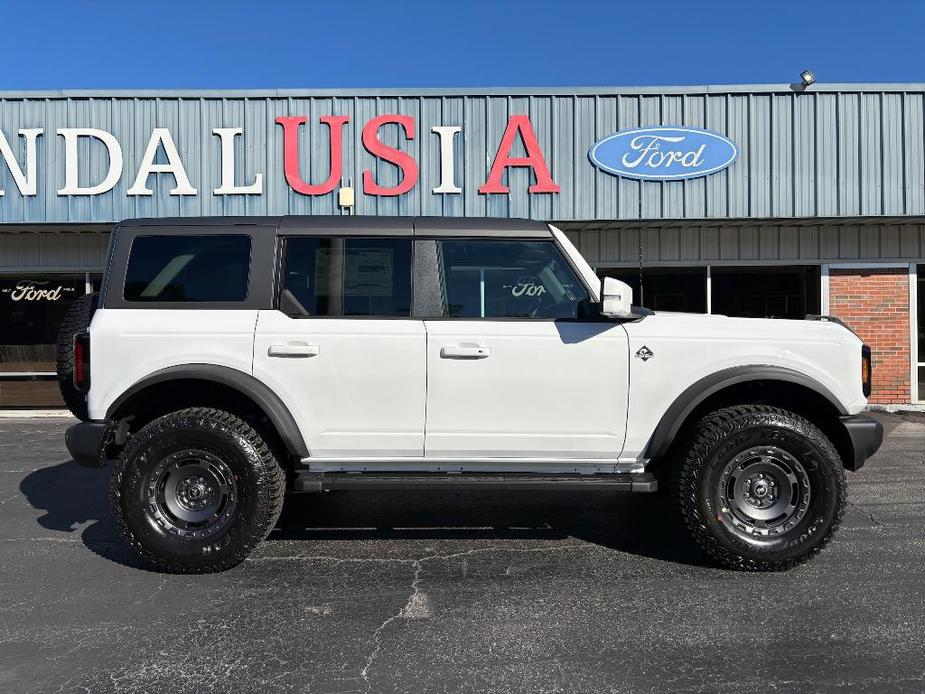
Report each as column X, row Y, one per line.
column 306, row 481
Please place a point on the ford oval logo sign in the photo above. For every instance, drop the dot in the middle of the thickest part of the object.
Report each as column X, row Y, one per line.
column 663, row 153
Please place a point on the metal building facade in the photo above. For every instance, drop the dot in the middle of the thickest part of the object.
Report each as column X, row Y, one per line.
column 828, row 187
column 842, row 151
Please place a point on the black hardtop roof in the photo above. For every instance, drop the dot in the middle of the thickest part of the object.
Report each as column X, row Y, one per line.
column 363, row 225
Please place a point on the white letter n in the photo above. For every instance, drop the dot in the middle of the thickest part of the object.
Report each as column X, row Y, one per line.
column 25, row 180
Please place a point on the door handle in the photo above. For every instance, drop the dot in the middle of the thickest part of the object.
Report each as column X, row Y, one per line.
column 293, row 350
column 465, row 352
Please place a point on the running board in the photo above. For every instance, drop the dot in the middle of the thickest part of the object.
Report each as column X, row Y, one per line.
column 306, row 481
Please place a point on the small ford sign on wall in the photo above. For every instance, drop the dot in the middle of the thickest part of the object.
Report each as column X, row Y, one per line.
column 663, row 153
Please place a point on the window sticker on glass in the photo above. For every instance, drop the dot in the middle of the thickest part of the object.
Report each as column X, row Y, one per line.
column 350, row 277
column 368, row 272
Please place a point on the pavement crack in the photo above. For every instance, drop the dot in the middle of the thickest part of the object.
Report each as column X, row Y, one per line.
column 870, row 516
column 408, row 607
column 418, row 605
column 158, row 589
column 498, row 548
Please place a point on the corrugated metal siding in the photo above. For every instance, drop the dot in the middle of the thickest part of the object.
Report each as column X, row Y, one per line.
column 53, row 251
column 744, row 244
column 829, row 154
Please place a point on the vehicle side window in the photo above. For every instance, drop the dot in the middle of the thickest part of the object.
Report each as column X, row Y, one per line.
column 203, row 268
column 497, row 278
column 335, row 276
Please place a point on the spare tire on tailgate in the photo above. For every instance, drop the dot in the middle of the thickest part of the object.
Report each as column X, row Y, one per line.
column 76, row 320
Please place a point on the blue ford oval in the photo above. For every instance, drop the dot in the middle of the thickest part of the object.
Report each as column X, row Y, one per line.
column 663, row 153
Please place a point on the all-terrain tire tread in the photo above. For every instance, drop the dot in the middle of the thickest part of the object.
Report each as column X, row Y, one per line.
column 683, row 469
column 270, row 489
column 75, row 320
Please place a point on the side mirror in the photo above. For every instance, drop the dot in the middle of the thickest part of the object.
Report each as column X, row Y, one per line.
column 616, row 298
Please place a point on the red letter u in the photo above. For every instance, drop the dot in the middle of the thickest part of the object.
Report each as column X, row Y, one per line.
column 291, row 153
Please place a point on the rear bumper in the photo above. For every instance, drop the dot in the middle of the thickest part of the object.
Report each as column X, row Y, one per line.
column 866, row 435
column 85, row 442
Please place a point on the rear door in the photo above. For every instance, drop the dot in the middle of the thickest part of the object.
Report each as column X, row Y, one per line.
column 342, row 349
column 517, row 364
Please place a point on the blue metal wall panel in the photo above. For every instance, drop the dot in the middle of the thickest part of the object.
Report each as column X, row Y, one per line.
column 842, row 152
column 914, row 161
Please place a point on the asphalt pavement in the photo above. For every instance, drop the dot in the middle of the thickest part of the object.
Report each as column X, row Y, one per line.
column 455, row 592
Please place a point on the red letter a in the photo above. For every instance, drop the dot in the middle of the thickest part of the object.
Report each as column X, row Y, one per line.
column 291, row 153
column 534, row 159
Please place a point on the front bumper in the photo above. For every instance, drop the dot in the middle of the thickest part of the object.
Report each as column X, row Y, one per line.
column 86, row 442
column 866, row 435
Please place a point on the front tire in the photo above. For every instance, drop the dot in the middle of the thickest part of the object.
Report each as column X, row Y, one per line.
column 758, row 488
column 196, row 491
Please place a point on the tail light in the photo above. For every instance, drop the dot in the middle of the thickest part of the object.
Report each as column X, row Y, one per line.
column 866, row 370
column 82, row 362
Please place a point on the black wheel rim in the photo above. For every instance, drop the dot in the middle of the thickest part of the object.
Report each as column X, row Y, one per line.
column 763, row 492
column 191, row 494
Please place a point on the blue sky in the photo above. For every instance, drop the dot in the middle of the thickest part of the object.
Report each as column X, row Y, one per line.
column 86, row 44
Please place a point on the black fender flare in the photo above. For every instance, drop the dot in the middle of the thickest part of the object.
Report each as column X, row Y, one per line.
column 268, row 401
column 678, row 412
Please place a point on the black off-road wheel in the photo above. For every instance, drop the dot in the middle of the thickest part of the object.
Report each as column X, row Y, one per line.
column 758, row 488
column 196, row 491
column 76, row 320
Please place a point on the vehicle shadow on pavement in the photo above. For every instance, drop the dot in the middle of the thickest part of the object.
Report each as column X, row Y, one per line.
column 75, row 499
column 638, row 524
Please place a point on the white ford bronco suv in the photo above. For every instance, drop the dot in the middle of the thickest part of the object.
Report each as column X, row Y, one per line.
column 229, row 361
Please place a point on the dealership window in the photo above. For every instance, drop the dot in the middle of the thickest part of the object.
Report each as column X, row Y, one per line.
column 766, row 292
column 31, row 308
column 508, row 279
column 749, row 292
column 333, row 276
column 666, row 289
column 188, row 268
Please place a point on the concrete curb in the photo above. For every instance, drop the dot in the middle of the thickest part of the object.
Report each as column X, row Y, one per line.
column 28, row 414
column 897, row 409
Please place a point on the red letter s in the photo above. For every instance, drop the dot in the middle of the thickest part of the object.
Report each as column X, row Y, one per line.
column 402, row 160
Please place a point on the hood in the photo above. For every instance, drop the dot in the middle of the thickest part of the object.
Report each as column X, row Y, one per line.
column 812, row 328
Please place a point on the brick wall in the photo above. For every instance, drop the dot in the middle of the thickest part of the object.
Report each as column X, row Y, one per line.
column 875, row 303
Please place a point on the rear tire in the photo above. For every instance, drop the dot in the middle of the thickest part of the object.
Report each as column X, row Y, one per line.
column 76, row 320
column 758, row 488
column 196, row 491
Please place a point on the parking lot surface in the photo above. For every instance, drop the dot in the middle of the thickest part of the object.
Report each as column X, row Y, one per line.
column 441, row 592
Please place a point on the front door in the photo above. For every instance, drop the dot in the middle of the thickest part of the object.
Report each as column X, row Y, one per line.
column 343, row 351
column 517, row 367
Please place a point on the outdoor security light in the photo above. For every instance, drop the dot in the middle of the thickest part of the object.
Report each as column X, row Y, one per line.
column 807, row 77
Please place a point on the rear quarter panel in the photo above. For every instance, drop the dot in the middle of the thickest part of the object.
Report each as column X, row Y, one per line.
column 126, row 345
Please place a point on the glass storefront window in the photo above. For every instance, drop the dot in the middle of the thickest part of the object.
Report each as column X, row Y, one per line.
column 666, row 288
column 750, row 292
column 31, row 308
column 766, row 292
